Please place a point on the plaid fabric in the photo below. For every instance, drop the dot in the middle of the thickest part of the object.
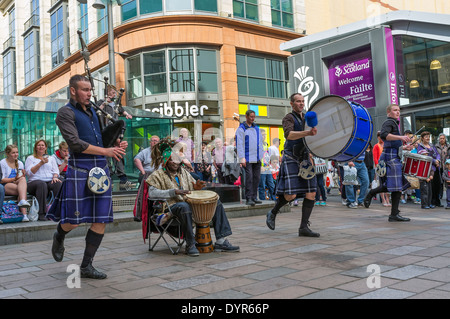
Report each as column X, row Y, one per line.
column 75, row 203
column 288, row 180
column 394, row 179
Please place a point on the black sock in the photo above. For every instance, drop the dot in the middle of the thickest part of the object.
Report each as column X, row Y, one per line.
column 395, row 196
column 93, row 241
column 60, row 233
column 281, row 201
column 307, row 208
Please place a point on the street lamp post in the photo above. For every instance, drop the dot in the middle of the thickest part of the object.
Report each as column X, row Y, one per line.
column 112, row 62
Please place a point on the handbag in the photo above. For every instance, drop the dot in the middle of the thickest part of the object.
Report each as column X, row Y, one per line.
column 10, row 213
column 33, row 213
column 350, row 176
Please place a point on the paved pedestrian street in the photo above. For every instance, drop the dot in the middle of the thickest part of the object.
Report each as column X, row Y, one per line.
column 359, row 255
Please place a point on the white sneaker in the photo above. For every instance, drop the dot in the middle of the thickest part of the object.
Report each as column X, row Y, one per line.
column 23, row 203
column 353, row 205
column 25, row 218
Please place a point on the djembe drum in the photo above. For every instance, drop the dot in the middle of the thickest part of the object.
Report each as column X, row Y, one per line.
column 203, row 204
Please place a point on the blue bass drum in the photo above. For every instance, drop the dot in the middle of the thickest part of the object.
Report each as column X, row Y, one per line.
column 344, row 129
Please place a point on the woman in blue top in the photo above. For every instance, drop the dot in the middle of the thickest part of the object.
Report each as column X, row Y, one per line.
column 14, row 179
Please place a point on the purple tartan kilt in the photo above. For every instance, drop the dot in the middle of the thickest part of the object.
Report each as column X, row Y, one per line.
column 290, row 183
column 75, row 203
column 394, row 179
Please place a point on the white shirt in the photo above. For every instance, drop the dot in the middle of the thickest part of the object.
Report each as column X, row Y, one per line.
column 6, row 170
column 44, row 173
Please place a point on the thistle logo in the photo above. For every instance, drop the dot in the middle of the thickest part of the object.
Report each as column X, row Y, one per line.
column 307, row 86
column 338, row 72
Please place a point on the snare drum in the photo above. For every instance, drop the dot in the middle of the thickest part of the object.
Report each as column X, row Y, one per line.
column 344, row 129
column 416, row 165
column 203, row 204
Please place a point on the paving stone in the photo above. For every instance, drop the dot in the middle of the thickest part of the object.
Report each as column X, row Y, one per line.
column 191, row 282
column 309, row 248
column 407, row 272
column 403, row 250
column 270, row 273
column 234, row 264
column 386, row 293
column 331, row 293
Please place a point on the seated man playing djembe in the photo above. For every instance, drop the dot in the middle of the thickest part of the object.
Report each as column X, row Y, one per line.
column 171, row 182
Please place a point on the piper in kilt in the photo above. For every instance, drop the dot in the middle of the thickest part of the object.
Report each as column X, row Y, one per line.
column 75, row 203
column 289, row 184
column 394, row 181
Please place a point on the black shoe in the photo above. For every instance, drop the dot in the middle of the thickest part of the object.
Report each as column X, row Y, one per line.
column 226, row 247
column 368, row 200
column 305, row 231
column 57, row 248
column 192, row 251
column 270, row 220
column 91, row 272
column 257, row 201
column 398, row 218
column 426, row 207
column 250, row 202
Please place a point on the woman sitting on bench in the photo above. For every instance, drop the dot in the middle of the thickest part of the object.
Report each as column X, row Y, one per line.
column 14, row 179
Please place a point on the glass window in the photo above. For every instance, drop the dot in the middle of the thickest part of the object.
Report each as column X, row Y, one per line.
column 261, row 76
column 35, row 10
column 57, row 37
column 134, row 77
column 247, row 9
column 282, row 13
column 150, row 6
column 129, row 10
column 84, row 23
column 9, row 73
column 422, row 68
column 178, row 5
column 206, row 5
column 155, row 73
column 102, row 21
column 207, row 67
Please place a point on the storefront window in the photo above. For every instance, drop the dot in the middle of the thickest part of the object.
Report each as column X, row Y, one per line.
column 423, row 69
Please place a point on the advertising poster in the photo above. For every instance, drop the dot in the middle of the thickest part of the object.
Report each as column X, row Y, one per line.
column 351, row 77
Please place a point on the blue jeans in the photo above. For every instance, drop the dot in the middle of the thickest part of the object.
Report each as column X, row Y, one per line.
column 266, row 180
column 220, row 222
column 2, row 195
column 320, row 188
column 363, row 178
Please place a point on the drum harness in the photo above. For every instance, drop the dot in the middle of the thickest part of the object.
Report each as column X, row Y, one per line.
column 300, row 155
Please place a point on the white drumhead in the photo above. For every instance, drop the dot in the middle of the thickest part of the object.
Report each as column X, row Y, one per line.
column 201, row 195
column 335, row 125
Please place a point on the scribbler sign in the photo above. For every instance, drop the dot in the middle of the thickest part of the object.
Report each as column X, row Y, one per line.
column 351, row 77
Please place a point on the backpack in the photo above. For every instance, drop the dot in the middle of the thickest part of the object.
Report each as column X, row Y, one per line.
column 11, row 213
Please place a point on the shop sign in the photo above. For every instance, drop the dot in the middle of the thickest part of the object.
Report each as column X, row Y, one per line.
column 351, row 77
column 179, row 110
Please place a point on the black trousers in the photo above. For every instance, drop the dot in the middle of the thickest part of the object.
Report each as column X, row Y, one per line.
column 252, row 177
column 41, row 189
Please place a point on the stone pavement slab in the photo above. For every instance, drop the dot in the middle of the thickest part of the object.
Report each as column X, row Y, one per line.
column 413, row 260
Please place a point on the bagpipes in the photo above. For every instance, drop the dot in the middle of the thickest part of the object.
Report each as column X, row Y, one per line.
column 114, row 131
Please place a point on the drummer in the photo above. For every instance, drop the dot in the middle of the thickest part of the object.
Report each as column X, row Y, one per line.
column 394, row 181
column 171, row 182
column 289, row 184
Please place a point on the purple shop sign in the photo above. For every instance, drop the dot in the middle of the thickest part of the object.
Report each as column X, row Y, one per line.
column 351, row 77
column 390, row 53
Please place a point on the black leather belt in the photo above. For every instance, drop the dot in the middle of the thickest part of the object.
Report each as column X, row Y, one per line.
column 359, row 162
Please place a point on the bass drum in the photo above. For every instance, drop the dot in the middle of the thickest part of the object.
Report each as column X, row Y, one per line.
column 344, row 129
